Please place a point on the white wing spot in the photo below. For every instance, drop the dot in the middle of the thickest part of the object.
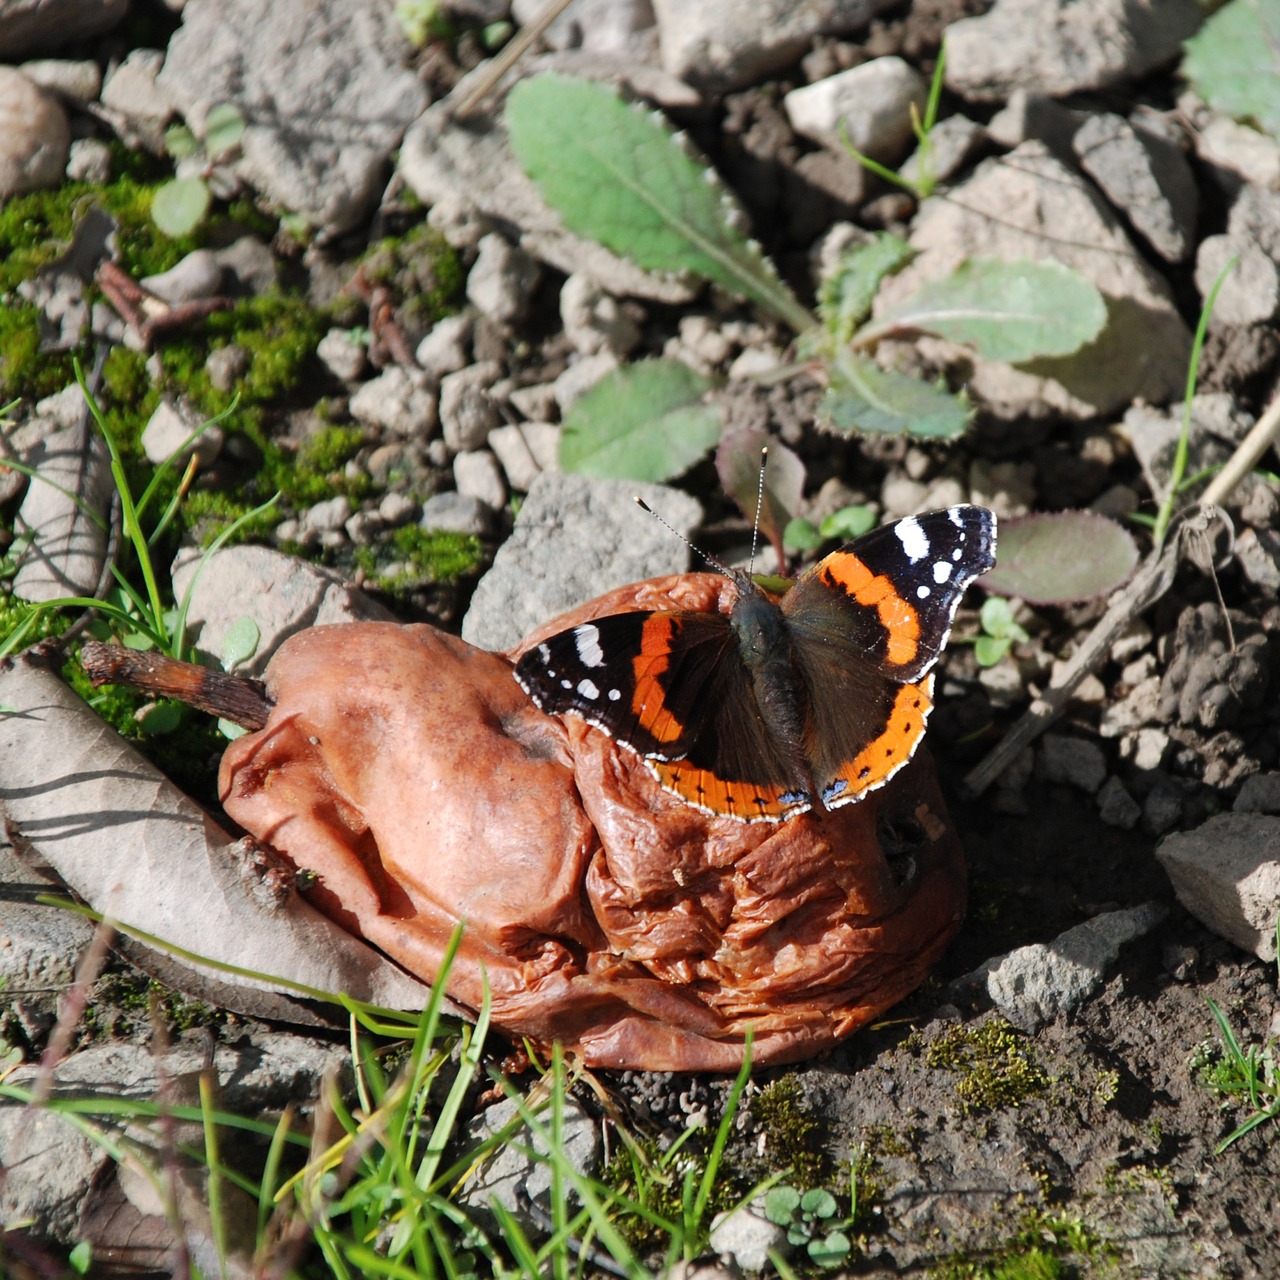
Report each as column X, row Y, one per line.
column 544, row 653
column 566, row 684
column 588, row 689
column 615, row 694
column 941, row 572
column 587, row 638
column 956, row 516
column 957, row 553
column 915, row 542
column 923, row 592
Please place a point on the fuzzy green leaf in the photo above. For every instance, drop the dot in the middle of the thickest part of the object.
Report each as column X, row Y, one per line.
column 864, row 397
column 179, row 207
column 831, row 1251
column 1233, row 62
column 642, row 422
column 848, row 292
column 990, row 649
column 240, row 643
column 801, row 535
column 849, row 523
column 1060, row 557
column 617, row 174
column 780, row 1203
column 223, row 128
column 1010, row 311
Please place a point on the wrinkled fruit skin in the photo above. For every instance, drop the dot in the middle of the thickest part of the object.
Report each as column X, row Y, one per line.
column 410, row 773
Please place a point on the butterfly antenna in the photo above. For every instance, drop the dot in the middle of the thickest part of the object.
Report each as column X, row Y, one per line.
column 697, row 551
column 755, row 527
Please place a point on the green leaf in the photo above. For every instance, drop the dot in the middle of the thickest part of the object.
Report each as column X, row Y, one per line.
column 1233, row 62
column 223, row 128
column 230, row 730
column 162, row 718
column 849, row 523
column 990, row 649
column 618, row 175
column 1011, row 311
column 240, row 643
column 180, row 142
column 80, row 1257
column 180, row 206
column 819, row 1203
column 863, row 397
column 996, row 616
column 1060, row 557
column 642, row 422
column 780, row 1203
column 831, row 1251
column 848, row 292
column 801, row 535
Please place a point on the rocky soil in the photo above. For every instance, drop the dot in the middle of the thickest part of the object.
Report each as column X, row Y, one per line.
column 1044, row 1105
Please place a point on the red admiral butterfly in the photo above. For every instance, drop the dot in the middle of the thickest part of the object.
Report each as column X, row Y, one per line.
column 779, row 708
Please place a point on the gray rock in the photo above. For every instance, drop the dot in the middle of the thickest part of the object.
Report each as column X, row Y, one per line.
column 593, row 321
column 42, row 945
column 1075, row 761
column 953, row 142
column 1250, row 294
column 38, row 26
column 344, row 358
column 1131, row 641
column 1031, row 116
column 1227, row 147
column 1161, row 810
column 167, row 435
column 65, row 407
column 513, row 1173
column 457, row 513
column 476, row 474
column 1146, row 177
column 281, row 594
column 251, row 264
column 468, row 166
column 198, row 275
column 132, row 94
column 325, row 86
column 720, row 45
column 467, row 411
column 581, row 376
column 398, row 508
column 575, row 538
column 326, row 516
column 744, row 1238
column 1059, row 47
column 89, row 160
column 502, row 280
column 68, row 548
column 525, row 450
column 536, row 403
column 398, row 404
column 76, row 82
column 1227, row 874
column 1116, row 807
column 363, row 527
column 1260, row 793
column 1029, row 205
column 613, row 28
column 1145, row 748
column 226, row 366
column 1035, row 984
column 445, row 349
column 1258, row 552
column 35, row 137
column 871, row 103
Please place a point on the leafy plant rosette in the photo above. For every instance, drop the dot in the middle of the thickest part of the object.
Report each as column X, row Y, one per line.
column 616, row 173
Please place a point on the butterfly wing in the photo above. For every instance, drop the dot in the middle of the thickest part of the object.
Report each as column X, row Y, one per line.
column 672, row 687
column 868, row 623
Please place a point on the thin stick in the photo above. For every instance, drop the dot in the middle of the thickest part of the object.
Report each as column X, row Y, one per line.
column 239, row 699
column 1246, row 457
column 512, row 52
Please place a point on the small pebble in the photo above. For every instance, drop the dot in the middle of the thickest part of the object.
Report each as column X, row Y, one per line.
column 397, row 508
column 476, row 474
column 457, row 513
column 1116, row 807
column 345, row 358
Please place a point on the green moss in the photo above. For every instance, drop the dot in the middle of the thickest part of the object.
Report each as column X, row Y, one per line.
column 994, row 1069
column 15, row 613
column 1045, row 1247
column 793, row 1134
column 122, row 1003
column 423, row 273
column 208, row 513
column 433, row 556
column 26, row 371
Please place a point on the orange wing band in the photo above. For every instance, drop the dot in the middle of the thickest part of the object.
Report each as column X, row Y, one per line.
column 741, row 800
column 648, row 701
column 897, row 616
column 878, row 762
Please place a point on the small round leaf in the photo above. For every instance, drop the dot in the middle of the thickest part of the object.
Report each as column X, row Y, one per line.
column 780, row 1203
column 1061, row 557
column 180, row 206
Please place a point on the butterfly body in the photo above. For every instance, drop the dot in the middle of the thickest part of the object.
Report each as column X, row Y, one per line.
column 778, row 707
